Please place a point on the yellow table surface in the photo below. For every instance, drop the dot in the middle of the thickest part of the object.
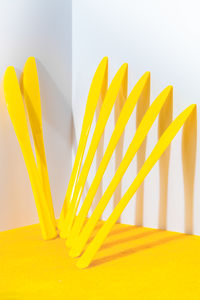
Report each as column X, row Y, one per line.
column 134, row 263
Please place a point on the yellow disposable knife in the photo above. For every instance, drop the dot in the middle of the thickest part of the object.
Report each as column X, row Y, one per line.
column 31, row 93
column 16, row 111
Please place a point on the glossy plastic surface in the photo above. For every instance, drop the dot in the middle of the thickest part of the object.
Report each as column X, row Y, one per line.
column 31, row 93
column 14, row 101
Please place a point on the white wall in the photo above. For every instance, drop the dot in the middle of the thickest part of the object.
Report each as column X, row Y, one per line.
column 40, row 28
column 158, row 36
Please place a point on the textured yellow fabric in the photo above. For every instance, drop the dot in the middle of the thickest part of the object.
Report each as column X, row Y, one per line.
column 133, row 263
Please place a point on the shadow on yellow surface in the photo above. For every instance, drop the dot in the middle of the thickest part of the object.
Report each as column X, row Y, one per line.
column 128, row 240
column 133, row 263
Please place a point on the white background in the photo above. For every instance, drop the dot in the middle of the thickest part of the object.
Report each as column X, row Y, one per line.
column 42, row 29
column 162, row 37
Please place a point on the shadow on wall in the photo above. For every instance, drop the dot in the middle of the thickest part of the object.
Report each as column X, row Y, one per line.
column 189, row 143
column 119, row 103
column 189, row 147
column 165, row 118
column 142, row 107
column 57, row 115
column 17, row 208
column 56, row 106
